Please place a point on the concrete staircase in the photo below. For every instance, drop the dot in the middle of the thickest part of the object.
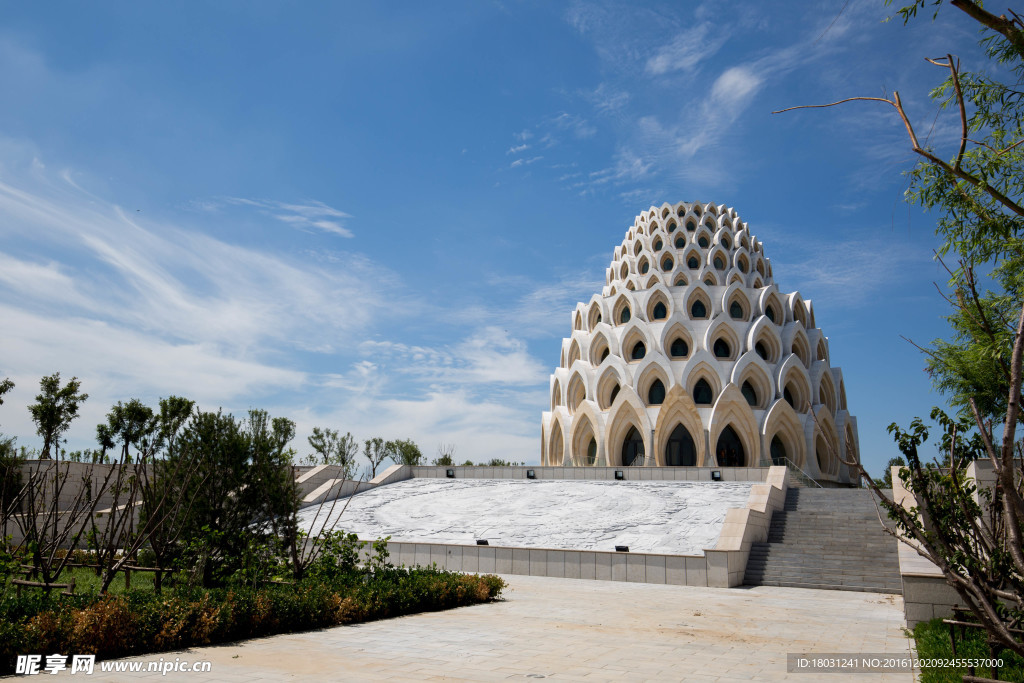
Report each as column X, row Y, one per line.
column 827, row 538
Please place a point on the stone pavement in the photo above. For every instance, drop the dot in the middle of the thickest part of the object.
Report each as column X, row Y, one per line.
column 577, row 630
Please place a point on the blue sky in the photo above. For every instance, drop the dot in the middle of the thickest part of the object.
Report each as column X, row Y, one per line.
column 378, row 217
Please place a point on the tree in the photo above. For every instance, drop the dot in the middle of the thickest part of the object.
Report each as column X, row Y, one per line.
column 376, row 451
column 334, row 449
column 979, row 195
column 405, row 452
column 55, row 409
column 445, row 455
column 5, row 386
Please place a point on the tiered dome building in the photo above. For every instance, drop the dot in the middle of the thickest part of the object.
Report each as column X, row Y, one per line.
column 691, row 356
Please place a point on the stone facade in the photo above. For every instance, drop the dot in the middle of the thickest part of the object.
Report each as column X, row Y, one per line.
column 691, row 353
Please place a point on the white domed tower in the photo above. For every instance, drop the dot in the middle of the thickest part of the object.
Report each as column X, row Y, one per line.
column 691, row 356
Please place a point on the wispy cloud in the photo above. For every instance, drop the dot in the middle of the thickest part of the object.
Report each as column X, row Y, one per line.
column 525, row 162
column 688, row 49
column 312, row 216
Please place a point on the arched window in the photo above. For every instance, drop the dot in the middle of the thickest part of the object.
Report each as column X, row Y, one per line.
column 680, row 451
column 671, row 228
column 725, row 241
column 658, row 245
column 719, row 263
column 690, row 226
column 721, row 348
column 624, row 316
column 736, row 310
column 770, row 312
column 591, row 452
column 639, row 351
column 761, row 351
column 644, row 267
column 667, row 264
column 611, row 396
column 788, row 396
column 656, row 394
column 679, row 349
column 632, row 448
column 778, row 451
column 729, row 449
column 597, row 320
column 698, row 310
column 748, row 393
column 703, row 242
column 702, row 392
column 604, row 354
column 680, row 281
column 680, row 242
column 660, row 312
column 692, row 263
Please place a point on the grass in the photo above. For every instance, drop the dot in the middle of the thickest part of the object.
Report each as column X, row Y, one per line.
column 932, row 639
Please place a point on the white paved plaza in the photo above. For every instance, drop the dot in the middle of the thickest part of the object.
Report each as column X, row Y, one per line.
column 676, row 517
column 573, row 630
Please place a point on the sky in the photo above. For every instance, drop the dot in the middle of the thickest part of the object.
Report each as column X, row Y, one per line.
column 378, row 217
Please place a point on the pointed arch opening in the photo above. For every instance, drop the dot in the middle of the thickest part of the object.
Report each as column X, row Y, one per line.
column 729, row 448
column 632, row 448
column 576, row 393
column 680, row 448
column 594, row 317
column 599, row 350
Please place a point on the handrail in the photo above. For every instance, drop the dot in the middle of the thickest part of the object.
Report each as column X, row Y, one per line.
column 793, row 466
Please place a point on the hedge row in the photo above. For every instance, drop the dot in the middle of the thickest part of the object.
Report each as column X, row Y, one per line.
column 142, row 622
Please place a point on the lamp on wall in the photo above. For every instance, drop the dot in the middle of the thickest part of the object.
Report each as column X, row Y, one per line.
column 716, row 475
column 530, row 474
column 450, row 473
column 619, row 475
column 622, row 548
column 482, row 541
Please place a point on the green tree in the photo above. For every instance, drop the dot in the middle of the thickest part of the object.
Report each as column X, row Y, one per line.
column 405, row 452
column 55, row 409
column 333, row 449
column 976, row 190
column 376, row 451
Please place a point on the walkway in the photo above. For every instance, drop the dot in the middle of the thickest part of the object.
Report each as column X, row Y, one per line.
column 575, row 630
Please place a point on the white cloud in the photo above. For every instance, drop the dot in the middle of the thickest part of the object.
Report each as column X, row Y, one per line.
column 313, row 216
column 518, row 148
column 687, row 50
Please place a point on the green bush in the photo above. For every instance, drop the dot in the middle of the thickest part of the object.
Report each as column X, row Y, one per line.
column 141, row 621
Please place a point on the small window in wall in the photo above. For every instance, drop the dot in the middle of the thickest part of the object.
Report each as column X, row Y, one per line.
column 702, row 392
column 736, row 310
column 644, row 267
column 604, row 354
column 656, row 394
column 719, row 263
column 788, row 396
column 690, row 226
column 679, row 348
column 760, row 350
column 667, row 264
column 725, row 242
column 611, row 396
column 658, row 245
column 624, row 316
column 660, row 312
column 680, row 281
column 722, row 349
column 709, row 281
column 770, row 312
column 680, row 242
column 671, row 228
column 748, row 393
column 692, row 263
column 597, row 320
column 703, row 242
column 639, row 351
column 591, row 452
column 698, row 310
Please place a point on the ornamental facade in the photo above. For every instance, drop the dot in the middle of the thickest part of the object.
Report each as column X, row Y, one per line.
column 691, row 356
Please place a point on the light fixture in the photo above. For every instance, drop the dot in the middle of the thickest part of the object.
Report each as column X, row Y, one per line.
column 482, row 541
column 450, row 473
column 619, row 475
column 622, row 548
column 530, row 474
column 716, row 475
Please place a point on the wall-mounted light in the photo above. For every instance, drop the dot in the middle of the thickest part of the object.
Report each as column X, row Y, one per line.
column 622, row 548
column 619, row 475
column 716, row 475
column 450, row 473
column 530, row 474
column 482, row 541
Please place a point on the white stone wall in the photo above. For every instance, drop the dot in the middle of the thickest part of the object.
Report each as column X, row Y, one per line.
column 673, row 256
